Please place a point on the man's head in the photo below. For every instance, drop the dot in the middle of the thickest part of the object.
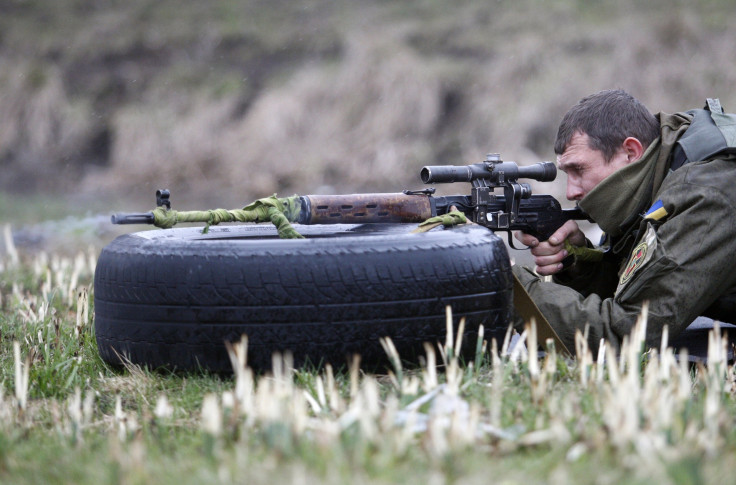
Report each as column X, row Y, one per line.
column 601, row 134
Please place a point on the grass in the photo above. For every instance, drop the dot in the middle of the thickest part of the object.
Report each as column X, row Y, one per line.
column 509, row 416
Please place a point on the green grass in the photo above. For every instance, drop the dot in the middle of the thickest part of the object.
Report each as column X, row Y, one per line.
column 509, row 419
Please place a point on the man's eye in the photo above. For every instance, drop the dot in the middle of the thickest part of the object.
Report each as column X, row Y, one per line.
column 572, row 169
column 578, row 169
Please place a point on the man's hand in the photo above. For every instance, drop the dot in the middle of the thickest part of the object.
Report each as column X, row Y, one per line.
column 548, row 255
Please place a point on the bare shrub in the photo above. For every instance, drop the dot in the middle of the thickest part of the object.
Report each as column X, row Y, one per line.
column 403, row 86
column 41, row 128
column 174, row 141
column 358, row 125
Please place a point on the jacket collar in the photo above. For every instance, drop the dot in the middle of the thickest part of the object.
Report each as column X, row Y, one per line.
column 618, row 200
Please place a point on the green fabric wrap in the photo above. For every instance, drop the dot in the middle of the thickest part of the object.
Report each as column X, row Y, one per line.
column 452, row 218
column 583, row 254
column 280, row 212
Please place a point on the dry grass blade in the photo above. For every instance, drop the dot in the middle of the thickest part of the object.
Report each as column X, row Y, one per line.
column 163, row 409
column 22, row 370
column 211, row 415
column 395, row 359
column 11, row 251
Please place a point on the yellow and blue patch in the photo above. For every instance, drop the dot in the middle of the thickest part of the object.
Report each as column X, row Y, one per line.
column 656, row 212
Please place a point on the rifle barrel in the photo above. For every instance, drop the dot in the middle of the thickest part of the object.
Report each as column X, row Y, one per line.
column 132, row 218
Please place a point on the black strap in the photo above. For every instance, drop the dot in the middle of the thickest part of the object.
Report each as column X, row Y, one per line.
column 703, row 138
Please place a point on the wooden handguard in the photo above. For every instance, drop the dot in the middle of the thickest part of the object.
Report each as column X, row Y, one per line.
column 364, row 208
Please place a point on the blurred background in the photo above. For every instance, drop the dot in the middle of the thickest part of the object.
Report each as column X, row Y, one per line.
column 102, row 102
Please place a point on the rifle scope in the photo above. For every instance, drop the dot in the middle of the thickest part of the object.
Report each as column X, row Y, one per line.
column 495, row 172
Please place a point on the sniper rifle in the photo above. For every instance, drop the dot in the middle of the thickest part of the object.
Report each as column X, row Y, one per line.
column 516, row 210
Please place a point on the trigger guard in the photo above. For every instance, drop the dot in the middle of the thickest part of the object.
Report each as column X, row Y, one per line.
column 511, row 243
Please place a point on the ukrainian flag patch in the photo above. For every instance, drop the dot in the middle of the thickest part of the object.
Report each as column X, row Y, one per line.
column 656, row 212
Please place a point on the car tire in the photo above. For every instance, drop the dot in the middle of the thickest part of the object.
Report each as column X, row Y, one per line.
column 172, row 298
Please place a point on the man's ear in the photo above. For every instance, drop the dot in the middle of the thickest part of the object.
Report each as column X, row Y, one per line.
column 633, row 149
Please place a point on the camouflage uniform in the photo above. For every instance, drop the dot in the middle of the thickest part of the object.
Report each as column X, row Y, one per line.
column 670, row 239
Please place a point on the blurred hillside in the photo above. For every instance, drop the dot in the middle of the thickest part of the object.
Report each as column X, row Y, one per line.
column 227, row 101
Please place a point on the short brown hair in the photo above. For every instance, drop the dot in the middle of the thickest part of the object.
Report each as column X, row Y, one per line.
column 608, row 118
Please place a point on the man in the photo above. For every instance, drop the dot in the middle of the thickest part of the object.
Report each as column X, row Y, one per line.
column 670, row 226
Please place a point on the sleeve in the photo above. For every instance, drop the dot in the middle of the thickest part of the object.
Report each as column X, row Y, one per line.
column 680, row 265
column 586, row 278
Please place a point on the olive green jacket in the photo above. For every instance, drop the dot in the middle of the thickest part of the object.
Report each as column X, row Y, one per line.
column 680, row 258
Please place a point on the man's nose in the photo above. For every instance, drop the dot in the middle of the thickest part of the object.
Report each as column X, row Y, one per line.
column 574, row 191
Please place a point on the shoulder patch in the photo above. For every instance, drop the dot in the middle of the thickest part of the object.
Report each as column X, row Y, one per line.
column 656, row 212
column 641, row 254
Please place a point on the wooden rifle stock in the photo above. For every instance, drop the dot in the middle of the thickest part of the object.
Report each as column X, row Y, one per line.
column 365, row 208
